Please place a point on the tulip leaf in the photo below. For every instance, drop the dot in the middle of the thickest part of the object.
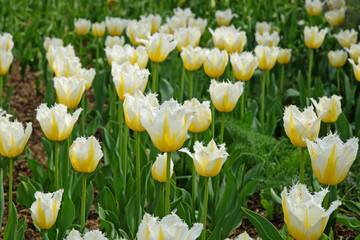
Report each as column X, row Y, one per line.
column 302, row 88
column 49, row 152
column 38, row 172
column 166, row 90
column 265, row 229
column 357, row 116
column 106, row 224
column 2, row 200
column 25, row 194
column 349, row 222
column 11, row 226
column 318, row 88
column 66, row 215
column 353, row 206
column 343, row 127
column 21, row 229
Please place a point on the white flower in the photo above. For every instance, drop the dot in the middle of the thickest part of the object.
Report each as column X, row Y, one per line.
column 183, row 13
column 154, row 20
column 69, row 90
column 330, row 107
column 266, row 39
column 115, row 26
column 313, row 37
column 59, row 53
column 189, row 36
column 223, row 18
column 66, row 67
column 52, row 42
column 346, row 38
column 335, row 17
column 198, row 22
column 159, row 46
column 263, row 27
column 202, row 116
column 224, row 95
column 95, row 235
column 192, row 58
column 74, row 235
column 214, row 62
column 6, row 58
column 137, row 31
column 314, row 7
column 6, row 42
column 82, row 26
column 243, row 65
column 243, row 236
column 354, row 51
column 158, row 169
column 114, row 40
column 266, row 56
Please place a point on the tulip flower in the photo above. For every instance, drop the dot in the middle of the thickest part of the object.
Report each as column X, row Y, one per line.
column 95, row 235
column 335, row 4
column 59, row 53
column 243, row 65
column 158, row 170
column 6, row 42
column 142, row 57
column 159, row 46
column 6, row 58
column 114, row 40
column 331, row 159
column 154, row 20
column 98, row 29
column 225, row 95
column 263, row 27
column 198, row 22
column 235, row 41
column 243, row 236
column 266, row 56
column 304, row 215
column 335, row 17
column 354, row 52
column 313, row 37
column 66, row 67
column 356, row 68
column 314, row 7
column 54, row 42
column 138, row 31
column 223, row 18
column 215, row 62
column 185, row 14
column 115, row 26
column 266, row 39
column 346, row 38
column 45, row 209
column 82, row 26
column 187, row 37
column 174, row 23
column 74, row 235
column 202, row 117
column 192, row 58
column 69, row 90
column 170, row 227
column 88, row 75
column 337, row 58
column 330, row 107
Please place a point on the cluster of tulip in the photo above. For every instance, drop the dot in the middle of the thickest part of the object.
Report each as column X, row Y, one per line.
column 6, row 58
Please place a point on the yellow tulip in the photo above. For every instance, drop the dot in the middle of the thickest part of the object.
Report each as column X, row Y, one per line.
column 313, row 37
column 98, row 29
column 235, row 41
column 263, row 27
column 335, row 17
column 85, row 154
column 45, row 209
column 243, row 65
column 187, row 37
column 330, row 107
column 331, row 159
column 337, row 58
column 215, row 62
column 115, row 26
column 55, row 122
column 6, row 41
column 266, row 39
column 266, row 56
column 59, row 53
column 202, row 116
column 335, row 4
column 304, row 215
column 356, row 68
column 88, row 75
column 224, row 95
column 69, row 90
column 223, row 18
column 192, row 58
column 354, row 52
column 154, row 20
column 6, row 59
column 346, row 38
column 66, row 67
column 284, row 56
column 173, row 23
column 208, row 160
column 198, row 22
column 185, row 14
column 314, row 7
column 159, row 46
column 82, row 26
column 114, row 40
column 158, row 170
column 301, row 125
column 55, row 42
column 138, row 31
column 142, row 57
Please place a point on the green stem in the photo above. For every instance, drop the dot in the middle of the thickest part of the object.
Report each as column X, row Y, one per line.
column 83, row 114
column 302, row 165
column 120, row 121
column 124, row 151
column 1, row 89
column 80, row 47
column 161, row 201
column 282, row 79
column 83, row 199
column 155, row 77
column 310, row 69
column 191, row 84
column 338, row 79
column 11, row 166
column 212, row 120
column 222, row 127
column 193, row 183
column 45, row 231
column 262, row 116
column 97, row 55
column 167, row 193
column 182, row 85
column 138, row 175
column 267, row 79
column 242, row 103
column 56, row 155
column 328, row 128
column 206, row 196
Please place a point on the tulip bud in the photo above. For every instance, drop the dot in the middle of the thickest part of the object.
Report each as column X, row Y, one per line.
column 301, row 125
column 266, row 39
column 115, row 26
column 55, row 122
column 159, row 46
column 331, row 159
column 98, row 29
column 243, row 65
column 202, row 116
column 95, row 235
column 354, row 52
column 55, row 42
column 154, row 20
column 225, row 95
column 74, row 235
column 314, row 7
column 69, row 90
column 198, row 22
column 207, row 160
column 187, row 37
column 114, row 40
column 330, row 107
column 214, row 62
column 337, row 58
column 335, row 17
column 192, row 58
column 346, row 38
column 82, row 26
column 158, row 170
column 313, row 37
column 266, row 56
column 138, row 32
column 45, row 209
column 6, row 59
column 6, row 42
column 284, row 56
column 356, row 68
column 223, row 18
column 263, row 27
column 243, row 236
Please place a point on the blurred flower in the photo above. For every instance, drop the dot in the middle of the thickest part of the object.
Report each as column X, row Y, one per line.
column 74, row 235
column 224, row 95
column 198, row 22
column 59, row 53
column 337, row 58
column 266, row 39
column 183, row 13
column 45, row 209
column 214, row 62
column 171, row 227
column 137, row 31
column 234, row 41
column 304, row 215
column 331, row 159
column 82, row 26
column 301, row 125
column 88, row 75
column 121, row 54
column 13, row 137
column 159, row 46
column 154, row 20
column 192, row 58
column 314, row 7
column 167, row 124
column 129, row 78
column 6, row 59
column 335, row 4
column 174, row 23
column 55, row 122
column 284, row 56
column 69, row 90
column 208, row 160
column 356, row 68
column 98, row 29
column 142, row 56
column 95, row 235
column 158, row 170
column 6, row 42
column 132, row 106
column 354, row 52
column 85, row 154
column 243, row 236
column 263, row 27
column 114, row 40
column 115, row 26
column 189, row 36
column 335, row 17
column 66, row 67
column 202, row 116
column 346, row 38
column 313, row 37
column 266, row 56
column 330, row 107
column 218, row 36
column 51, row 42
column 243, row 65
column 223, row 18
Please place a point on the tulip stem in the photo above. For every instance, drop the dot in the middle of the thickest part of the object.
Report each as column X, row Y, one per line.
column 193, row 182
column 310, row 69
column 155, row 77
column 328, row 128
column 222, row 127
column 83, row 114
column 11, row 166
column 262, row 117
column 161, row 201
column 83, row 199
column 120, row 121
column 56, row 155
column 242, row 103
column 80, row 47
column 206, row 196
column 191, row 84
column 45, row 231
column 124, row 150
column 338, row 79
column 282, row 79
column 302, row 165
column 167, row 194
column 1, row 89
column 182, row 85
column 138, row 175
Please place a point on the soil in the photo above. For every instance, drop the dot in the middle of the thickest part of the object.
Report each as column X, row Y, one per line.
column 23, row 102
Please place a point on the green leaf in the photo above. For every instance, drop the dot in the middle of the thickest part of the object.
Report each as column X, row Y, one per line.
column 265, row 229
column 38, row 172
column 11, row 226
column 66, row 216
column 166, row 90
column 353, row 206
column 343, row 127
column 2, row 200
column 349, row 222
column 25, row 194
